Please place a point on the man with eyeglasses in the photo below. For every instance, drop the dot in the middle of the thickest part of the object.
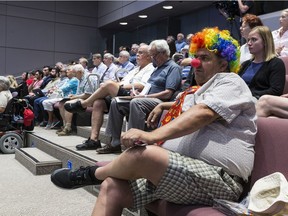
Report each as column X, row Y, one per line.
column 124, row 64
column 133, row 52
column 109, row 73
column 164, row 82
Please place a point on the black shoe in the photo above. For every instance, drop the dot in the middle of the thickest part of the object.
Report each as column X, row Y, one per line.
column 109, row 149
column 65, row 178
column 74, row 107
column 89, row 145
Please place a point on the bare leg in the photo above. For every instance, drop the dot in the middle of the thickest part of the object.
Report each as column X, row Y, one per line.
column 134, row 163
column 99, row 107
column 68, row 119
column 111, row 199
column 108, row 88
column 66, row 116
column 269, row 105
column 50, row 116
column 62, row 112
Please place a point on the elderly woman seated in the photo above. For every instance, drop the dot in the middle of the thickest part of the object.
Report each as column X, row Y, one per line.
column 5, row 94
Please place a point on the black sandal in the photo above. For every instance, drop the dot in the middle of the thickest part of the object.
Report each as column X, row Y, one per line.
column 74, row 107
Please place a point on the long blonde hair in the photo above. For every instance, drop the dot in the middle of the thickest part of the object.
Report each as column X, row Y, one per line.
column 268, row 42
column 12, row 80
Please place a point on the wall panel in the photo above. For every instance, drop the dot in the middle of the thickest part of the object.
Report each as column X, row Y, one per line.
column 66, row 57
column 30, row 13
column 80, row 8
column 30, row 34
column 21, row 60
column 37, row 5
column 75, row 39
column 76, row 20
column 3, row 8
column 3, row 30
column 2, row 62
column 271, row 20
column 37, row 33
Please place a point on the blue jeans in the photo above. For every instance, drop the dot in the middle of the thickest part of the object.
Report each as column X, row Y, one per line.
column 39, row 109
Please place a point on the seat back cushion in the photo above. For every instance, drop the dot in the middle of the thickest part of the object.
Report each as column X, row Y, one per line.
column 285, row 60
column 271, row 149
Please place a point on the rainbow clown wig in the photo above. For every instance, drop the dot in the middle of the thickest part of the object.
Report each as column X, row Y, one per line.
column 219, row 42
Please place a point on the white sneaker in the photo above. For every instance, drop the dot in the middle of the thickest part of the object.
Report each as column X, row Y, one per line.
column 48, row 127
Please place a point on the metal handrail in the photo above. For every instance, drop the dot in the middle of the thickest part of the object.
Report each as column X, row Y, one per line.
column 90, row 84
column 118, row 71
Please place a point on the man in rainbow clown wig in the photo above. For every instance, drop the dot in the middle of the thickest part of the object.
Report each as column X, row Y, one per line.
column 205, row 153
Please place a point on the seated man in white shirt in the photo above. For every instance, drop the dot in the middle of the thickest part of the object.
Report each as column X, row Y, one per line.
column 100, row 67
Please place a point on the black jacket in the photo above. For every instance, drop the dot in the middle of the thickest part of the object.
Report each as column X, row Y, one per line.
column 269, row 79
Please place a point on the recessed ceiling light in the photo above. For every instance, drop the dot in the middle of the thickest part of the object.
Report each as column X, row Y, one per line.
column 143, row 16
column 168, row 7
column 123, row 23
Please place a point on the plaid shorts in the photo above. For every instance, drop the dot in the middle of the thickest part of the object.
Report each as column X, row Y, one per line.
column 187, row 181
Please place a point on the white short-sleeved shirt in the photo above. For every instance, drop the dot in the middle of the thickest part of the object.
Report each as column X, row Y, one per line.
column 229, row 141
column 139, row 76
column 100, row 69
column 281, row 41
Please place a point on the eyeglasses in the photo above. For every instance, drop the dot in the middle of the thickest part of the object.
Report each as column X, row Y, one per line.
column 155, row 55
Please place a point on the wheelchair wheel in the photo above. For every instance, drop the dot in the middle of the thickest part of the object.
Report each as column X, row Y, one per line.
column 10, row 141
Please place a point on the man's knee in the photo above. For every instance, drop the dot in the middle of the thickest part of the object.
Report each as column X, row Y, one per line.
column 106, row 84
column 150, row 154
column 99, row 105
column 263, row 101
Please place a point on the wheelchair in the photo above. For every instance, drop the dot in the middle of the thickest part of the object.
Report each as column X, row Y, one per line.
column 12, row 128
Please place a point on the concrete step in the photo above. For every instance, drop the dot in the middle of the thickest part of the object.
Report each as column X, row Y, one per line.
column 63, row 149
column 37, row 161
column 84, row 131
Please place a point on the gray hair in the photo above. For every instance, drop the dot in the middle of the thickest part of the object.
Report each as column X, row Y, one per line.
column 136, row 46
column 83, row 60
column 285, row 11
column 161, row 46
column 109, row 55
column 78, row 67
column 4, row 83
column 59, row 64
column 97, row 55
column 125, row 53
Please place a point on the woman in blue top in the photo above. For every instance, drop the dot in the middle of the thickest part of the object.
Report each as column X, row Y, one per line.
column 264, row 73
column 68, row 88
